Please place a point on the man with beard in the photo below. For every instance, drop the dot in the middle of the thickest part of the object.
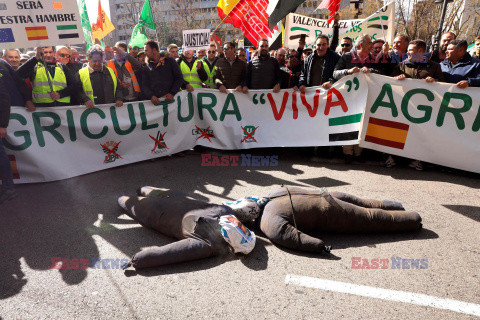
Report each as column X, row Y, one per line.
column 281, row 55
column 263, row 71
column 291, row 72
column 230, row 71
column 162, row 77
column 209, row 62
column 99, row 83
column 389, row 59
column 346, row 45
column 438, row 55
column 459, row 67
column 318, row 67
column 53, row 84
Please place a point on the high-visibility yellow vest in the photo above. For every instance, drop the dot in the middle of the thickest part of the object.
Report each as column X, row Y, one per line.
column 41, row 87
column 210, row 74
column 84, row 74
column 128, row 65
column 191, row 75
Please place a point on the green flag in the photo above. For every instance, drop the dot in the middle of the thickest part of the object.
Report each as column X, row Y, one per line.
column 146, row 17
column 86, row 26
column 139, row 37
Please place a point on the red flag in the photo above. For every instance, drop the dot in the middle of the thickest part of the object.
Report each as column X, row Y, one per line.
column 248, row 15
column 99, row 23
column 332, row 5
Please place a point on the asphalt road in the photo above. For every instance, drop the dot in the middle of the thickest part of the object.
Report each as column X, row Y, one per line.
column 79, row 218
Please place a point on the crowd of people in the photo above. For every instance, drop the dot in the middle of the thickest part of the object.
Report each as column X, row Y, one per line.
column 58, row 76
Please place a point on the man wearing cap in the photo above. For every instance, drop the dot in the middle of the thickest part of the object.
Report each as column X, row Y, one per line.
column 203, row 229
column 99, row 83
column 53, row 84
column 125, row 65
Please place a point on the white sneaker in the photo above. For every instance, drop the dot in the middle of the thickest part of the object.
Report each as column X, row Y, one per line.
column 122, row 202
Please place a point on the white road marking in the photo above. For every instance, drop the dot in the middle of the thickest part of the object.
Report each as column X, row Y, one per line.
column 385, row 294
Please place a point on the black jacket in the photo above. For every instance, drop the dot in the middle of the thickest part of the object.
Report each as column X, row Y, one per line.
column 158, row 79
column 331, row 59
column 4, row 104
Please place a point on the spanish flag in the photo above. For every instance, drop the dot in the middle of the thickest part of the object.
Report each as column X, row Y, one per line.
column 103, row 26
column 37, row 33
column 387, row 133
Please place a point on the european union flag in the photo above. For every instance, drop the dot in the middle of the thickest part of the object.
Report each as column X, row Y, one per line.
column 6, row 35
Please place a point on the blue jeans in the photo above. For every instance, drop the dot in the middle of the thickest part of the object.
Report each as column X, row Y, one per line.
column 5, row 168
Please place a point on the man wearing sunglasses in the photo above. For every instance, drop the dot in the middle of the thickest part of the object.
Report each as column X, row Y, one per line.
column 346, row 45
column 209, row 61
column 53, row 83
column 230, row 71
column 263, row 71
column 291, row 72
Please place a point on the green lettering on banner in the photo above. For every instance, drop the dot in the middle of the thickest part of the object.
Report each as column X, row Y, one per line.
column 191, row 108
column 386, row 90
column 84, row 124
column 476, row 123
column 71, row 126
column 165, row 111
column 116, row 125
column 143, row 116
column 209, row 106
column 427, row 109
column 230, row 99
column 444, row 108
column 23, row 133
column 36, row 116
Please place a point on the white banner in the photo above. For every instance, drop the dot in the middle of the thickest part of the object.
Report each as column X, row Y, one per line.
column 58, row 143
column 27, row 24
column 431, row 122
column 196, row 39
column 296, row 25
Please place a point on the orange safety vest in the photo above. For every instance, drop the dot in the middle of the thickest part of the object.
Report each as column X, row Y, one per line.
column 128, row 65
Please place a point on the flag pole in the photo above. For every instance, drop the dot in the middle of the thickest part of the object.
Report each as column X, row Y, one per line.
column 226, row 16
column 381, row 22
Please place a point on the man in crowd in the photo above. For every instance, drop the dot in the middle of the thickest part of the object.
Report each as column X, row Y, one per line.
column 192, row 70
column 125, row 65
column 74, row 63
column 19, row 93
column 201, row 54
column 53, row 84
column 173, row 51
column 358, row 60
column 263, row 71
column 439, row 54
column 291, row 72
column 242, row 54
column 346, row 45
column 417, row 66
column 377, row 47
column 230, row 71
column 99, row 83
column 133, row 51
column 62, row 53
column 318, row 68
column 7, row 190
column 476, row 54
column 162, row 77
column 389, row 59
column 281, row 55
column 459, row 67
column 209, row 62
column 12, row 56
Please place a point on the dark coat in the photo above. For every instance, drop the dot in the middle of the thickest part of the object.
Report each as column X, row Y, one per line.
column 231, row 76
column 158, row 80
column 331, row 60
column 16, row 87
column 321, row 211
column 350, row 60
column 4, row 104
column 419, row 70
column 467, row 68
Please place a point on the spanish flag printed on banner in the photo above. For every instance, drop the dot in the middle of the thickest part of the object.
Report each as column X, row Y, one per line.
column 103, row 26
column 387, row 133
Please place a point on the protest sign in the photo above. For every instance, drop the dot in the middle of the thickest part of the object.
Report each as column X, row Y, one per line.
column 58, row 143
column 196, row 39
column 431, row 122
column 27, row 24
column 298, row 25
